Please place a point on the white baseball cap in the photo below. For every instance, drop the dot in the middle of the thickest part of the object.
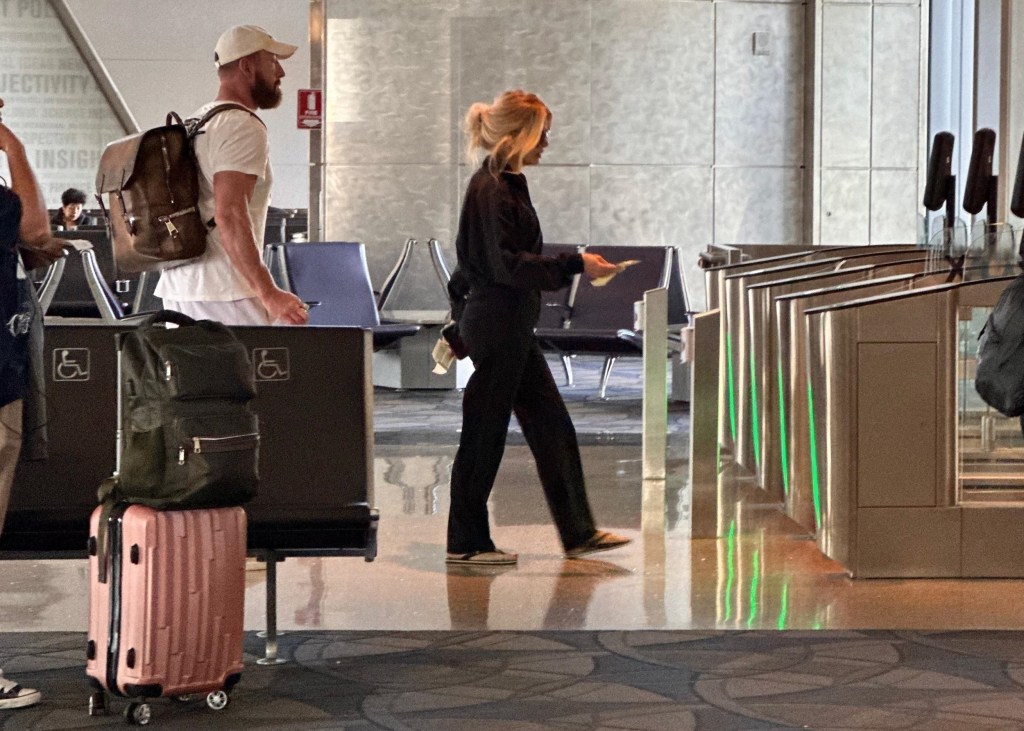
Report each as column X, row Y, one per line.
column 241, row 40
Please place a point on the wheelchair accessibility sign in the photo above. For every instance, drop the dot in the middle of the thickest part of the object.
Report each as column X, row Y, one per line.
column 71, row 364
column 271, row 364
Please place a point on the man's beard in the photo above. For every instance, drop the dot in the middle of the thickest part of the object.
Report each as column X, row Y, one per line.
column 267, row 95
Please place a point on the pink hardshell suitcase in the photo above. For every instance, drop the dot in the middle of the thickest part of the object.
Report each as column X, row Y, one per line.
column 168, row 619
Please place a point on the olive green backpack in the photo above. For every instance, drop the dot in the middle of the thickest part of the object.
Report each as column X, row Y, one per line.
column 188, row 436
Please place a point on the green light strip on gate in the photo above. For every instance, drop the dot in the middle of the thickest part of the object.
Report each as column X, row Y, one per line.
column 784, row 610
column 782, row 434
column 732, row 386
column 755, row 582
column 815, row 484
column 730, row 568
column 755, row 429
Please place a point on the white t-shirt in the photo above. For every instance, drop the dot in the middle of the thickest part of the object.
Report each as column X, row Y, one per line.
column 232, row 140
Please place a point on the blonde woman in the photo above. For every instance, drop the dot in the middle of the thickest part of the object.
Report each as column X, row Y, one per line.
column 500, row 256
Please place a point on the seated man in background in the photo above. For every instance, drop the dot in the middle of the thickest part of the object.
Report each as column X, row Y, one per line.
column 70, row 215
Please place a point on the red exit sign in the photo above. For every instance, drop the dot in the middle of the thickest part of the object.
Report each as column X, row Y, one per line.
column 310, row 109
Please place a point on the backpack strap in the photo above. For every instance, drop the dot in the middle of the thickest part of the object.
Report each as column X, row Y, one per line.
column 195, row 128
column 108, row 498
column 173, row 316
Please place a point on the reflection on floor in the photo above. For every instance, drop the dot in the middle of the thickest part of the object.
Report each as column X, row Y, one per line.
column 762, row 574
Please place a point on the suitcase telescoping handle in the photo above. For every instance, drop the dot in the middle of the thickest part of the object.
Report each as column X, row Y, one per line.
column 172, row 316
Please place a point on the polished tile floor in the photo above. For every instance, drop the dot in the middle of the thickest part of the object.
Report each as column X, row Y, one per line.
column 579, row 680
column 763, row 573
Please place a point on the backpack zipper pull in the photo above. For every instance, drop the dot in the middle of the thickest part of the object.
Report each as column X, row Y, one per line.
column 168, row 370
column 197, row 448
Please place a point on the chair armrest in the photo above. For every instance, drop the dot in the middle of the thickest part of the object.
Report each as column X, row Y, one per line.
column 49, row 283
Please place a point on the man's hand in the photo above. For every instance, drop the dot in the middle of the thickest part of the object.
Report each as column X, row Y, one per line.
column 595, row 265
column 285, row 308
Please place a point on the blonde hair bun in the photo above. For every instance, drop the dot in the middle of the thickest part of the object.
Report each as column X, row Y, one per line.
column 506, row 129
column 475, row 116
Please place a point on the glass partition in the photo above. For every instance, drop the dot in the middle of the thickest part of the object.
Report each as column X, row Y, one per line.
column 992, row 251
column 947, row 245
column 990, row 445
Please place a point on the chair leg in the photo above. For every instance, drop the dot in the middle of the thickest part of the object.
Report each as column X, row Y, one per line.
column 567, row 366
column 606, row 373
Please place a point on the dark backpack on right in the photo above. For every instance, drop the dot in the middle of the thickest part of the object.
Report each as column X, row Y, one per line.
column 999, row 378
column 152, row 182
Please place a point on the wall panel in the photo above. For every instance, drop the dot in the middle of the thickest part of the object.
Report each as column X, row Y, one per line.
column 868, row 114
column 653, row 82
column 758, row 205
column 846, row 85
column 894, row 206
column 846, row 207
column 895, row 87
column 759, row 99
column 383, row 205
column 388, row 80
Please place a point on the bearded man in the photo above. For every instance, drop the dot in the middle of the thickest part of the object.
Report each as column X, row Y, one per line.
column 229, row 282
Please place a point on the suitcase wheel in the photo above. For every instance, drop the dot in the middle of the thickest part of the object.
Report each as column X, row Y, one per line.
column 98, row 704
column 217, row 700
column 138, row 714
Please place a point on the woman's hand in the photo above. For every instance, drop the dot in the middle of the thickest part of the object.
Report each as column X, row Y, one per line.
column 595, row 265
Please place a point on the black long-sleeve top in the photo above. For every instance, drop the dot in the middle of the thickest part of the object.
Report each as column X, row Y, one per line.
column 499, row 242
column 13, row 352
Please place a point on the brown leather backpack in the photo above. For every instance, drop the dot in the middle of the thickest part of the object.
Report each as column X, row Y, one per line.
column 151, row 179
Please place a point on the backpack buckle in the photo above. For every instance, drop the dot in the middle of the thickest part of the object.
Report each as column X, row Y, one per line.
column 172, row 230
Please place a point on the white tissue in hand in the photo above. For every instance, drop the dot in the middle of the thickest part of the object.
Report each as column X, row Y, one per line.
column 601, row 281
column 443, row 356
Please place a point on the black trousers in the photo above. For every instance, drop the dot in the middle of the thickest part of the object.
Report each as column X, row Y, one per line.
column 511, row 375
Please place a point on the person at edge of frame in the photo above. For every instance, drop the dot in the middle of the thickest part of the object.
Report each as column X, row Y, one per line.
column 24, row 235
